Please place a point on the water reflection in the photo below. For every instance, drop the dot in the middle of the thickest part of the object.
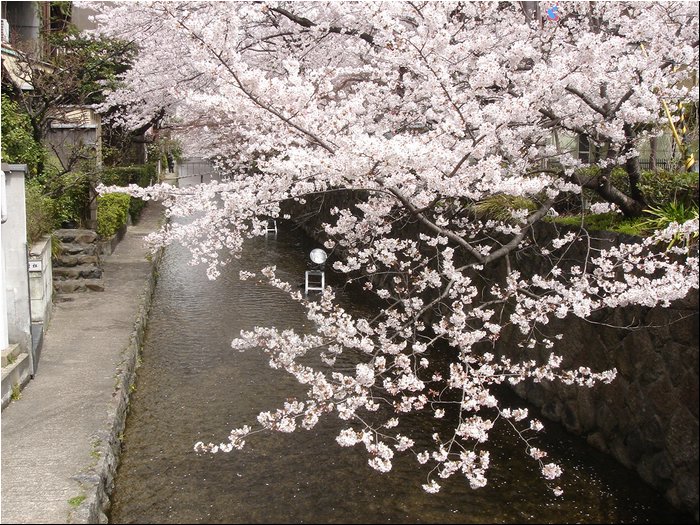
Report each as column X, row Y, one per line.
column 193, row 387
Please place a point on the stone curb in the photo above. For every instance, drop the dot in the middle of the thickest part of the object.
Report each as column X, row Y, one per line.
column 97, row 481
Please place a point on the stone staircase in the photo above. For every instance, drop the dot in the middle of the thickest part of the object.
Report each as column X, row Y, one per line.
column 15, row 372
column 78, row 267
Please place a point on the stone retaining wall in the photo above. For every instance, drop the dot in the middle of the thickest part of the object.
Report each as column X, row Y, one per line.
column 647, row 419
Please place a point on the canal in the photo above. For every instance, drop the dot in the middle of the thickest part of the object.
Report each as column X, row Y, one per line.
column 193, row 387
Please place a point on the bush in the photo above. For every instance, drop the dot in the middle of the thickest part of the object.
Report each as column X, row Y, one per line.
column 18, row 144
column 125, row 175
column 112, row 213
column 41, row 213
column 660, row 188
column 659, row 217
column 71, row 194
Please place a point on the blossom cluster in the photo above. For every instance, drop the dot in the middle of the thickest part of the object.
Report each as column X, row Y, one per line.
column 428, row 111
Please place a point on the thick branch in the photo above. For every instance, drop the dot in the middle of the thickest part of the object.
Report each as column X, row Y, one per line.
column 595, row 107
column 517, row 239
column 434, row 227
column 305, row 22
column 601, row 185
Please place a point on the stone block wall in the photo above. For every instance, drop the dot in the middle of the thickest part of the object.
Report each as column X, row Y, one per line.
column 647, row 419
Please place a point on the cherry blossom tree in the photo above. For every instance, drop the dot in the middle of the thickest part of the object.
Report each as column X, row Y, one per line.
column 426, row 111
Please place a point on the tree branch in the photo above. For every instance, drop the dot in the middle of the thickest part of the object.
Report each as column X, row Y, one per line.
column 305, row 22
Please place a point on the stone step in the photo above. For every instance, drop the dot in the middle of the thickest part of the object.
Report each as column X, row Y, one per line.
column 78, row 285
column 75, row 260
column 83, row 271
column 77, row 236
column 14, row 376
column 70, row 248
column 10, row 354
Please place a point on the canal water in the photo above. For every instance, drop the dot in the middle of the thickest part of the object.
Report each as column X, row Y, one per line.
column 193, row 387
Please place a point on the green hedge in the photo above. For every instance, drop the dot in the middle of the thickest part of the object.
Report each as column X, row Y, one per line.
column 662, row 187
column 141, row 175
column 112, row 213
column 125, row 175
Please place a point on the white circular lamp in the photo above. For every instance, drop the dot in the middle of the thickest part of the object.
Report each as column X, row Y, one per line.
column 318, row 256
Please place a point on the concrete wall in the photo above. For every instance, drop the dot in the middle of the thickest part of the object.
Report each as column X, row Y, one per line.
column 14, row 251
column 40, row 280
column 193, row 171
column 25, row 23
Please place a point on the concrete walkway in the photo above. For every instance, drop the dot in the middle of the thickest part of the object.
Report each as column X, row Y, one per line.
column 60, row 439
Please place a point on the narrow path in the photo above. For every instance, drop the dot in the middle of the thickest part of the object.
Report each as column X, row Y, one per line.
column 54, row 431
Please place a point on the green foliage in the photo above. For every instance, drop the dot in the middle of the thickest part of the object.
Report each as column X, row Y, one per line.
column 16, row 392
column 18, row 144
column 659, row 217
column 95, row 62
column 53, row 202
column 658, row 188
column 112, row 213
column 125, row 175
column 661, row 187
column 499, row 207
column 55, row 246
column 71, row 193
column 142, row 175
column 41, row 212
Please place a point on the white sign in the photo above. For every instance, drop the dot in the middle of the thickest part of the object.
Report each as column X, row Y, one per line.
column 34, row 266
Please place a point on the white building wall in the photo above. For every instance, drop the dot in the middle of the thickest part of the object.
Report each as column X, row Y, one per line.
column 14, row 253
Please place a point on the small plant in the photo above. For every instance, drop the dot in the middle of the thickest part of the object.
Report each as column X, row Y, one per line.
column 661, row 216
column 11, row 359
column 16, row 392
column 76, row 500
column 40, row 211
column 55, row 246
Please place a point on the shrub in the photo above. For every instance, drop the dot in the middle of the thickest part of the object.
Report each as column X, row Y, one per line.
column 141, row 175
column 112, row 213
column 125, row 175
column 41, row 213
column 659, row 217
column 18, row 144
column 660, row 188
column 71, row 194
